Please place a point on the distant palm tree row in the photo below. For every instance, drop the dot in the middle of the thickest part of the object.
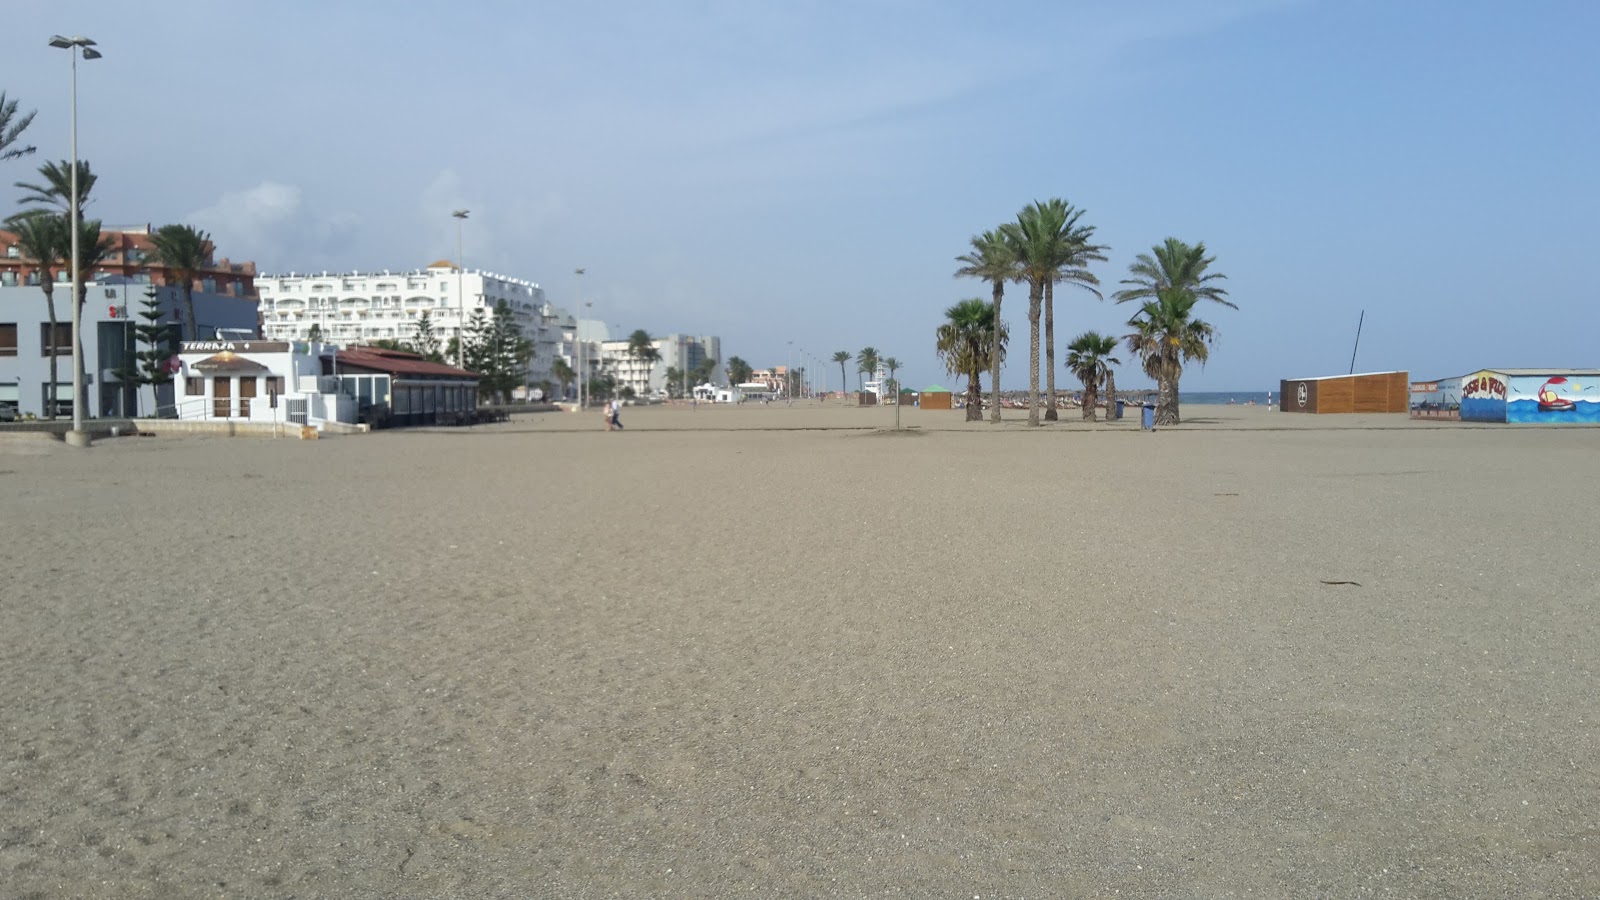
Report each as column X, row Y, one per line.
column 1049, row 243
column 868, row 362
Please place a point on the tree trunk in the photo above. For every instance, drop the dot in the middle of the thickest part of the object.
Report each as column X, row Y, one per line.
column 975, row 395
column 188, row 310
column 1050, row 413
column 77, row 343
column 844, row 381
column 1111, row 394
column 1035, row 301
column 1167, row 393
column 994, row 359
column 1089, row 399
column 50, row 309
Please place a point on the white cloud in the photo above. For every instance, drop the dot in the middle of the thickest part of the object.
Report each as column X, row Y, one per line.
column 256, row 220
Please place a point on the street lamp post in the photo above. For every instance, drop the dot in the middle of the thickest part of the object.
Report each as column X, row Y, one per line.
column 788, row 374
column 577, row 336
column 460, row 216
column 75, row 45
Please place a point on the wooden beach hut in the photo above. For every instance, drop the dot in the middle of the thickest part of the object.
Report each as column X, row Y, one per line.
column 935, row 397
column 1370, row 392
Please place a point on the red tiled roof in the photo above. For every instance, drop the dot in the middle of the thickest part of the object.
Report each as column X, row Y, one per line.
column 398, row 362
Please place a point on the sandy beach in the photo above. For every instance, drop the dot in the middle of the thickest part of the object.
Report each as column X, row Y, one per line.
column 773, row 652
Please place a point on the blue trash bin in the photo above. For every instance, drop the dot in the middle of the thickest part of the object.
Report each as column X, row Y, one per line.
column 1147, row 419
column 1120, row 405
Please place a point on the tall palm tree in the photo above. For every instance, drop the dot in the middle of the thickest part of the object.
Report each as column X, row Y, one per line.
column 971, row 331
column 993, row 260
column 43, row 238
column 866, row 364
column 94, row 248
column 184, row 251
column 1111, row 387
column 642, row 349
column 1089, row 357
column 12, row 126
column 841, row 357
column 55, row 190
column 1165, row 336
column 1074, row 252
column 1036, row 237
column 564, row 374
column 1174, row 264
column 738, row 371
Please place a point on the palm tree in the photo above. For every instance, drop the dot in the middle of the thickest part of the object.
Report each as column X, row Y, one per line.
column 564, row 374
column 642, row 348
column 1166, row 335
column 11, row 128
column 993, row 260
column 1111, row 387
column 971, row 331
column 866, row 364
column 841, row 357
column 43, row 238
column 94, row 248
column 183, row 251
column 56, row 190
column 1171, row 279
column 1174, row 265
column 738, row 371
column 1035, row 237
column 1089, row 357
column 1075, row 252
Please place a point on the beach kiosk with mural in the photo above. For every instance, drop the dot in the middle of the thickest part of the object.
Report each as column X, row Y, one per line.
column 1532, row 396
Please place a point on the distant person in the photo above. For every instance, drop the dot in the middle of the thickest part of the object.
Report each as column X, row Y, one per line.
column 616, row 415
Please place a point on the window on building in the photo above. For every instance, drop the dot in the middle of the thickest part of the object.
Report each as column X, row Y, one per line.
column 33, row 277
column 8, row 339
column 9, row 279
column 208, row 285
column 274, row 390
column 13, row 252
column 60, row 345
column 444, row 287
column 63, row 277
column 10, row 397
column 194, row 387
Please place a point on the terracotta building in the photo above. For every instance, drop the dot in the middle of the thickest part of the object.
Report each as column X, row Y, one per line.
column 130, row 258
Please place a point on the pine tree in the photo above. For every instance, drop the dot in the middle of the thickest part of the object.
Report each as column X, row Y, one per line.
column 157, row 340
column 426, row 339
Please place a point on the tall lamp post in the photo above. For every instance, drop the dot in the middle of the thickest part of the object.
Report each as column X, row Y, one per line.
column 577, row 334
column 460, row 216
column 75, row 45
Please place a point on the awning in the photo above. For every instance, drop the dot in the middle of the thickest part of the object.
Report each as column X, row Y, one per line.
column 228, row 364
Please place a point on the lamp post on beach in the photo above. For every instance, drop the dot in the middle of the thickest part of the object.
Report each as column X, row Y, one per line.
column 75, row 45
column 460, row 216
column 577, row 335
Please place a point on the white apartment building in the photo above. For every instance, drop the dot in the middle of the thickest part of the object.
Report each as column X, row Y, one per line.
column 677, row 351
column 362, row 307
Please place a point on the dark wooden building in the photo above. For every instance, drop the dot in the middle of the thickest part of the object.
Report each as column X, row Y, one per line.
column 1372, row 392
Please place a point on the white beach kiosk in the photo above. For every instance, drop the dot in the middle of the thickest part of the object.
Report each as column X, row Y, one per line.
column 267, row 382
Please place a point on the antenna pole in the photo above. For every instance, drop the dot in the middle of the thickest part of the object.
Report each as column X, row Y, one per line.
column 1353, row 350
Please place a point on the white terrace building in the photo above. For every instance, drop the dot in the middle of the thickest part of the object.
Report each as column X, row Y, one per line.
column 362, row 307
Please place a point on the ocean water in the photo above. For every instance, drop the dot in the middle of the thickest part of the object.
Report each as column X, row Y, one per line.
column 1221, row 398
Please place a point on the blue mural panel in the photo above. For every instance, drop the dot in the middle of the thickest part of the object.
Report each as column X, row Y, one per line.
column 1554, row 399
column 1483, row 398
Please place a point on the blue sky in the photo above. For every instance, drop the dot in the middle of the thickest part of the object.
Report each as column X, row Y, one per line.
column 808, row 171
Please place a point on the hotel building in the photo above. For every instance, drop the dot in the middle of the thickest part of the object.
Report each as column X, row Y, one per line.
column 353, row 308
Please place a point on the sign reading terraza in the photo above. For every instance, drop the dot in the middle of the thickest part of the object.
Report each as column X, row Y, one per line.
column 235, row 346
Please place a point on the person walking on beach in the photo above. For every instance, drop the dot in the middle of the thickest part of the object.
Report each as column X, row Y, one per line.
column 616, row 415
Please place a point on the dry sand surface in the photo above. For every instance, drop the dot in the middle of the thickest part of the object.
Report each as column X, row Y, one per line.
column 540, row 660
